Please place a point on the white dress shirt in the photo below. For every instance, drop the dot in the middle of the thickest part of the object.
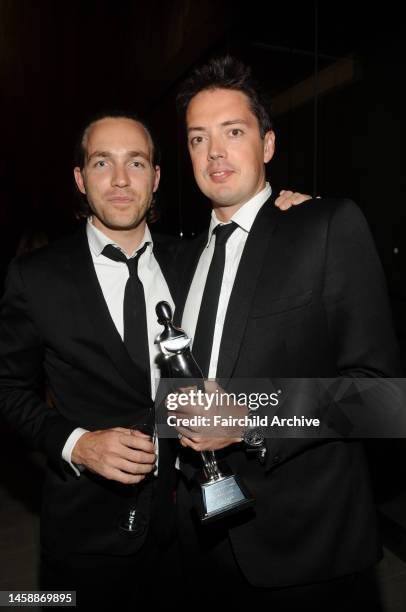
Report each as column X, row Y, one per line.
column 244, row 218
column 113, row 276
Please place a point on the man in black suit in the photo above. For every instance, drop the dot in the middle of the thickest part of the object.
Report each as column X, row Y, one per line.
column 63, row 318
column 68, row 317
column 301, row 294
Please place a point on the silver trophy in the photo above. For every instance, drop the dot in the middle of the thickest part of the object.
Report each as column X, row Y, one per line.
column 220, row 492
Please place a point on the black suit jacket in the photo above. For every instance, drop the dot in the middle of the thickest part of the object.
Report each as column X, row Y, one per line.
column 309, row 300
column 55, row 325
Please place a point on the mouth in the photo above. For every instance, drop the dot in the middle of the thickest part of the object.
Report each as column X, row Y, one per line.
column 119, row 200
column 219, row 176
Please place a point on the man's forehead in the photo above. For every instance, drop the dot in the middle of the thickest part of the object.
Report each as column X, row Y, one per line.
column 219, row 105
column 117, row 133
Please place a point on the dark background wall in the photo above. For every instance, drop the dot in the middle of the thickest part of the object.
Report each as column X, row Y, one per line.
column 340, row 133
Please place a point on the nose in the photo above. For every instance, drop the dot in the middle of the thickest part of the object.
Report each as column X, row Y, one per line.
column 120, row 177
column 216, row 148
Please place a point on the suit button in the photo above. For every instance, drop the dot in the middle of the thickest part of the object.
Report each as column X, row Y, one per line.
column 276, row 459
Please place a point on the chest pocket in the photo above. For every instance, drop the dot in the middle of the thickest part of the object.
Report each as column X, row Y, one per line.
column 281, row 305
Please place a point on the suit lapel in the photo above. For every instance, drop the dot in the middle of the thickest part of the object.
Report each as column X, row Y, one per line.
column 243, row 291
column 165, row 250
column 94, row 304
column 186, row 263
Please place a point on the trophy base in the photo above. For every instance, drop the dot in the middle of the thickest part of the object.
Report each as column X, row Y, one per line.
column 222, row 497
column 134, row 523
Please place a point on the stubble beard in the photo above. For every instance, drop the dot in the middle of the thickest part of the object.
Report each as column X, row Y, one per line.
column 112, row 222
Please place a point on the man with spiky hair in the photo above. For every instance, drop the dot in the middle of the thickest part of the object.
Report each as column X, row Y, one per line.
column 270, row 294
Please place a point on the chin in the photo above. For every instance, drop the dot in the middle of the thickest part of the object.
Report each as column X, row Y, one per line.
column 221, row 196
column 225, row 199
column 122, row 224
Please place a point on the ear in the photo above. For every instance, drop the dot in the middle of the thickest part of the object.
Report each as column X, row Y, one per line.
column 79, row 179
column 269, row 146
column 157, row 178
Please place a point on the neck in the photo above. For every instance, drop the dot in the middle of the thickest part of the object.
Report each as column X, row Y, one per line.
column 225, row 212
column 127, row 239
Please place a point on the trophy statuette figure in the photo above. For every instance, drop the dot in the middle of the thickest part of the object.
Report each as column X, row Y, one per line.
column 221, row 492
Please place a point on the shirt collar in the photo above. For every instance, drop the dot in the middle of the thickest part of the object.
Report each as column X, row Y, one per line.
column 97, row 240
column 245, row 216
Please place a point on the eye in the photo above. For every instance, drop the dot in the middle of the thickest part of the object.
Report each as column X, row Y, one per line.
column 196, row 140
column 137, row 164
column 100, row 164
column 236, row 132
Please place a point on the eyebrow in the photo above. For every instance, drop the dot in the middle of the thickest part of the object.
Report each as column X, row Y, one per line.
column 224, row 124
column 107, row 154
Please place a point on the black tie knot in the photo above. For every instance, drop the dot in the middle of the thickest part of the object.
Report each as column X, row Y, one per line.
column 223, row 232
column 115, row 254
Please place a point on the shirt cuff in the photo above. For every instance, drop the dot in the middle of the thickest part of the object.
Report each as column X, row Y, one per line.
column 68, row 448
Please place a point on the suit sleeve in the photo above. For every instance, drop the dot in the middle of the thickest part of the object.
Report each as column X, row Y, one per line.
column 355, row 297
column 359, row 324
column 22, row 375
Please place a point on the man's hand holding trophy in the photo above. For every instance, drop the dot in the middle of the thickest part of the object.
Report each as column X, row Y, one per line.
column 206, row 432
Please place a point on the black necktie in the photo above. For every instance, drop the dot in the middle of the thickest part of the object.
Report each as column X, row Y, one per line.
column 135, row 314
column 203, row 340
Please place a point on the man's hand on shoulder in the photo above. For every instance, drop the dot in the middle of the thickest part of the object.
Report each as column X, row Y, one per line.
column 287, row 199
column 120, row 454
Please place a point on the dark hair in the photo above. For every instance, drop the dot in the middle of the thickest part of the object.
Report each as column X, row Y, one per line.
column 31, row 239
column 83, row 209
column 227, row 73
